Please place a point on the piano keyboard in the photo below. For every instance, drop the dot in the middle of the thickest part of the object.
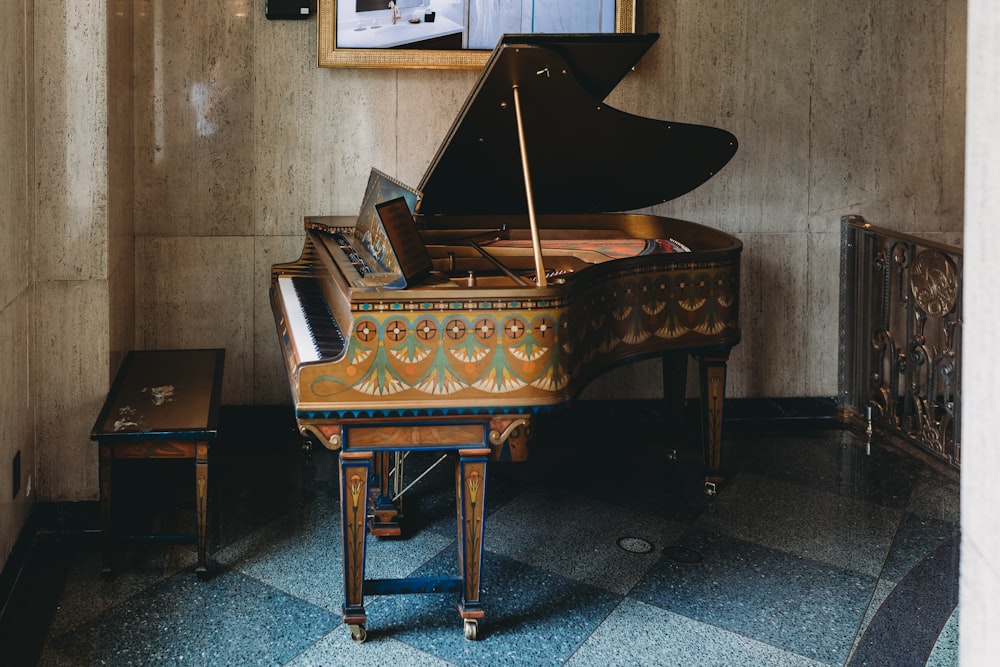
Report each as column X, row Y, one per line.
column 308, row 318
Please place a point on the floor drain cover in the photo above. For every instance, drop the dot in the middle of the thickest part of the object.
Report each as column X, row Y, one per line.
column 635, row 545
column 682, row 554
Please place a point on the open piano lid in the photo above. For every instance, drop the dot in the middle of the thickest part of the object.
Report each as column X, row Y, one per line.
column 583, row 155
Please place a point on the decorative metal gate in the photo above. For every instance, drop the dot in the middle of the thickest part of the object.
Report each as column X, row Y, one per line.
column 900, row 336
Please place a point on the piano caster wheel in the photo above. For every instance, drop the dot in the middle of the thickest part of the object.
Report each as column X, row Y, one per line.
column 710, row 489
column 358, row 633
column 471, row 629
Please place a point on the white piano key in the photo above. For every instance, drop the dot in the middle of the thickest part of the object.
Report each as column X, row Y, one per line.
column 295, row 320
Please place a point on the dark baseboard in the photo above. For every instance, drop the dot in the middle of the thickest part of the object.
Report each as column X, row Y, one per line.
column 737, row 412
column 35, row 573
column 780, row 409
column 15, row 561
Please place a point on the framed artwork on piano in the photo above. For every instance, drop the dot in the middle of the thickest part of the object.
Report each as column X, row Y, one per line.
column 450, row 34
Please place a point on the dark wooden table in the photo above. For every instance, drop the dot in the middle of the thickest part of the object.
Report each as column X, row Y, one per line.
column 163, row 404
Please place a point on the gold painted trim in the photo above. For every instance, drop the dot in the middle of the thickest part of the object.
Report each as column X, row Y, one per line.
column 330, row 56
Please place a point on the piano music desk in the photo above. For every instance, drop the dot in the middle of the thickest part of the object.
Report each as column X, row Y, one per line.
column 163, row 404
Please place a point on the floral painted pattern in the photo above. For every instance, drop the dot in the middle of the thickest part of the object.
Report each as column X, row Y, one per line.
column 514, row 350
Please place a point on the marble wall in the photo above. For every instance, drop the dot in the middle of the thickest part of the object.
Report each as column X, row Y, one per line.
column 82, row 255
column 15, row 285
column 69, row 350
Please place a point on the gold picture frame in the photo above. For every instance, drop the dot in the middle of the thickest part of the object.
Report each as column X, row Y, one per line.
column 330, row 55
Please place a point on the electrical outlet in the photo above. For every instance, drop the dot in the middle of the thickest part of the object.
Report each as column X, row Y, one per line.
column 16, row 473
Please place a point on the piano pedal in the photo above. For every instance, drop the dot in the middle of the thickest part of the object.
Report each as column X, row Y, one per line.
column 307, row 446
column 671, row 455
column 383, row 517
column 712, row 486
column 385, row 524
column 384, row 530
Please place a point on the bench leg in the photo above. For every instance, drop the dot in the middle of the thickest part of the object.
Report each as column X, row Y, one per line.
column 201, row 501
column 105, row 487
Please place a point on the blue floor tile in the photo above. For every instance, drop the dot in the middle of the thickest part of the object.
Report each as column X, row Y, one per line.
column 578, row 537
column 533, row 617
column 181, row 620
column 802, row 606
column 837, row 462
column 945, row 651
column 918, row 608
column 641, row 634
column 814, row 524
column 915, row 539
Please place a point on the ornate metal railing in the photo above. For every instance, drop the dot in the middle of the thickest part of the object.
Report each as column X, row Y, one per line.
column 900, row 336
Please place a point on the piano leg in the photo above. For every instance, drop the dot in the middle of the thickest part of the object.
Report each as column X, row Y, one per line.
column 355, row 468
column 104, row 477
column 675, row 385
column 712, row 368
column 470, row 495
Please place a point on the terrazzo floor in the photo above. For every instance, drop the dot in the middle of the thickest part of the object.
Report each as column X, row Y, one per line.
column 599, row 551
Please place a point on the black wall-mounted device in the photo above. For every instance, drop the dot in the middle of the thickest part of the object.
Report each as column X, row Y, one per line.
column 289, row 9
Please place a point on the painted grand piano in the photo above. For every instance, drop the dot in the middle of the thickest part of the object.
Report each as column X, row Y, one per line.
column 444, row 318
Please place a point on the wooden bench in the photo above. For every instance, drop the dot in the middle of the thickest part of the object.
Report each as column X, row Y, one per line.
column 163, row 404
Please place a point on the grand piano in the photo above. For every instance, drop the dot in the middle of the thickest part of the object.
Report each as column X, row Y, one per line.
column 444, row 318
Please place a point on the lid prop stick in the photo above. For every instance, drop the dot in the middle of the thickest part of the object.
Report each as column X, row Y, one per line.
column 536, row 244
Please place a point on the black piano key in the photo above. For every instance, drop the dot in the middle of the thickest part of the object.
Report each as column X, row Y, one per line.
column 323, row 329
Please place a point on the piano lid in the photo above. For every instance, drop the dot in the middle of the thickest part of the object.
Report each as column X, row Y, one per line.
column 584, row 156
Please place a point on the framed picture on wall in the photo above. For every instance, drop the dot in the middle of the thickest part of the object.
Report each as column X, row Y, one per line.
column 450, row 34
